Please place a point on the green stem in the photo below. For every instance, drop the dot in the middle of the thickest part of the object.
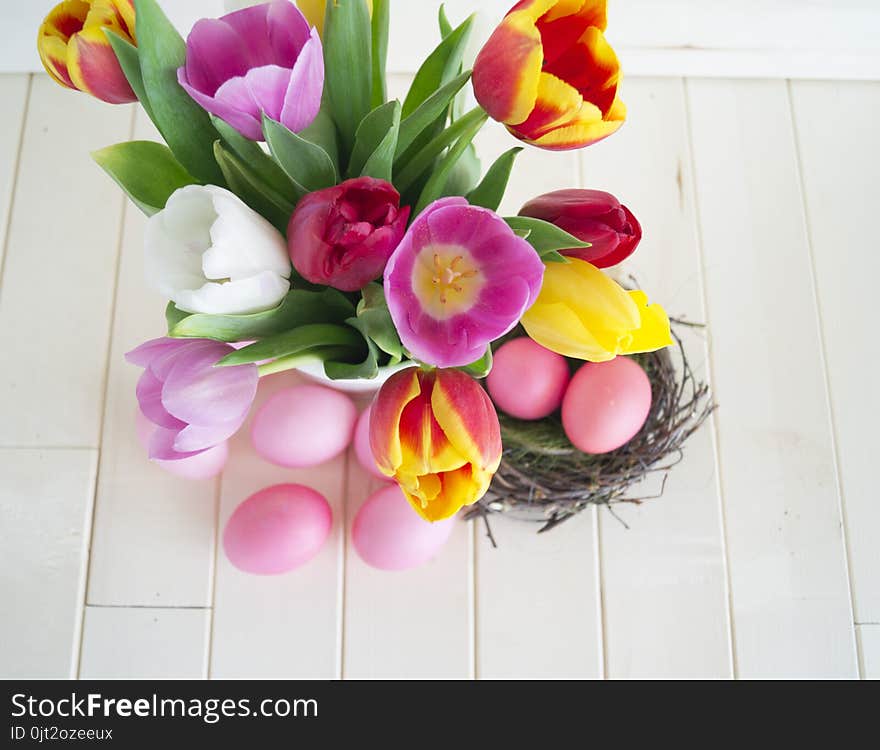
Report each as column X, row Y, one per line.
column 423, row 160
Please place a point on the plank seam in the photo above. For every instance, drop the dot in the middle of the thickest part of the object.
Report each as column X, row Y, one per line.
column 826, row 375
column 120, row 234
column 15, row 173
column 146, row 606
column 714, row 420
column 599, row 595
column 212, row 582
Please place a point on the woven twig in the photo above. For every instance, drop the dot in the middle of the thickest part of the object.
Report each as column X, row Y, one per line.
column 544, row 479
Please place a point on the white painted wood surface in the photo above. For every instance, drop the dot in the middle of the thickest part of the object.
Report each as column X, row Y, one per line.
column 14, row 92
column 149, row 642
column 840, row 161
column 755, row 198
column 789, row 582
column 45, row 520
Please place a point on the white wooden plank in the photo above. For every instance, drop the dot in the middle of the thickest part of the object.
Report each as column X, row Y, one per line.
column 45, row 517
column 512, row 581
column 413, row 624
column 789, row 586
column 840, row 162
column 538, row 603
column 869, row 638
column 153, row 643
column 59, row 271
column 665, row 577
column 153, row 541
column 279, row 626
column 14, row 92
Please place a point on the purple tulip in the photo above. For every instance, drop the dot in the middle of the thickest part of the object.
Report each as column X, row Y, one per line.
column 260, row 60
column 194, row 405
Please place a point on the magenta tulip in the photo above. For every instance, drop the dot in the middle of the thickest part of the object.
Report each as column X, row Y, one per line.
column 592, row 216
column 460, row 279
column 256, row 61
column 343, row 236
column 194, row 405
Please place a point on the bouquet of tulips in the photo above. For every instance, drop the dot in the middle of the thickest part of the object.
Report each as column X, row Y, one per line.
column 296, row 214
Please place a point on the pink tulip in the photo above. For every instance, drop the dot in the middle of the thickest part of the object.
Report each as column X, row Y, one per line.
column 343, row 236
column 256, row 61
column 459, row 280
column 194, row 405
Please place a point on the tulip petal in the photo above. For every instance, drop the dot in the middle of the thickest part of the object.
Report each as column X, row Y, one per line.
column 592, row 67
column 436, row 497
column 198, row 393
column 246, row 296
column 144, row 354
column 196, row 438
column 468, row 419
column 556, row 104
column 425, row 449
column 302, row 100
column 397, row 392
column 288, row 31
column 587, row 128
column 215, row 53
column 245, row 120
column 53, row 55
column 94, row 68
column 161, row 447
column 562, row 27
column 654, row 332
column 508, row 68
column 556, row 327
column 267, row 86
column 149, row 396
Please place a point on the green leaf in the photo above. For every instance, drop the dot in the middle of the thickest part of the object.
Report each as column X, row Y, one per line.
column 348, row 64
column 546, row 238
column 307, row 164
column 380, row 22
column 293, row 361
column 322, row 132
column 293, row 342
column 376, row 322
column 422, row 162
column 146, row 171
column 299, row 308
column 482, row 367
column 428, row 112
column 375, row 143
column 437, row 182
column 127, row 55
column 442, row 65
column 443, row 20
column 365, row 369
column 248, row 186
column 184, row 125
column 173, row 316
column 465, row 174
column 263, row 165
column 490, row 192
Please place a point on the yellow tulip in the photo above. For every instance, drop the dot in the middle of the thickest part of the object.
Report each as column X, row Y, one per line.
column 313, row 10
column 582, row 313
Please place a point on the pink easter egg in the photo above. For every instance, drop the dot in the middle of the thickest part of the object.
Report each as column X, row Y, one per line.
column 606, row 405
column 527, row 381
column 362, row 448
column 277, row 529
column 205, row 465
column 389, row 535
column 304, row 426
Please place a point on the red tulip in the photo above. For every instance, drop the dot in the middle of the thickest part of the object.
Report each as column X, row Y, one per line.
column 592, row 216
column 343, row 236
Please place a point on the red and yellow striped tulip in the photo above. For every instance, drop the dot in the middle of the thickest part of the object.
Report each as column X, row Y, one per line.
column 76, row 53
column 548, row 74
column 437, row 434
column 583, row 313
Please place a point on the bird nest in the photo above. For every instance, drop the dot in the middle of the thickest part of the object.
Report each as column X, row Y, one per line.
column 544, row 479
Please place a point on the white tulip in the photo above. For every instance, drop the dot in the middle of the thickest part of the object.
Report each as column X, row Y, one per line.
column 210, row 253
